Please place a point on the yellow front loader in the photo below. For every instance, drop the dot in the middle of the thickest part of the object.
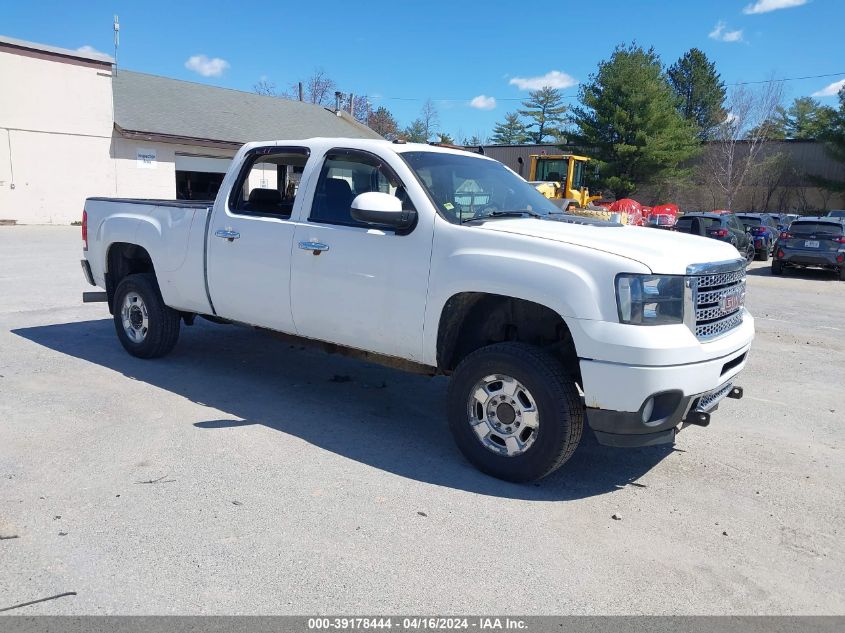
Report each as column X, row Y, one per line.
column 560, row 177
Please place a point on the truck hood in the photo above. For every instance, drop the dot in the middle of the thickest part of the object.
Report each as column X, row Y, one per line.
column 663, row 252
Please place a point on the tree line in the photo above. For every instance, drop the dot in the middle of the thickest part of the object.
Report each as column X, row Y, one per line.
column 644, row 124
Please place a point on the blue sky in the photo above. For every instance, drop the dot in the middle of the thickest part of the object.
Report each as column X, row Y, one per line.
column 399, row 52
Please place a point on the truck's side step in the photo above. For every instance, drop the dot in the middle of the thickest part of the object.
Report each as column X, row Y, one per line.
column 94, row 297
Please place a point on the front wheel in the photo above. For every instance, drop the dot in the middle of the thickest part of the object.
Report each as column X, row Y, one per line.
column 514, row 411
column 146, row 327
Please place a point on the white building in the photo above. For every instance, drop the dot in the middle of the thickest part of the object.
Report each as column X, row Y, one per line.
column 71, row 127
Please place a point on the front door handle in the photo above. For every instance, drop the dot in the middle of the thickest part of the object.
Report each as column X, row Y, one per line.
column 317, row 247
column 227, row 234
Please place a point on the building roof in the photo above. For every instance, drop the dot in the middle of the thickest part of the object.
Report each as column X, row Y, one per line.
column 152, row 106
column 91, row 55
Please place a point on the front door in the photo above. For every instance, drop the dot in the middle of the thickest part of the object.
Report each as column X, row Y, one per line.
column 353, row 284
column 250, row 238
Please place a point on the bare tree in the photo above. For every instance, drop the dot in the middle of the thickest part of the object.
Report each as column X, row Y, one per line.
column 735, row 151
column 358, row 106
column 318, row 88
column 265, row 87
column 429, row 118
column 771, row 174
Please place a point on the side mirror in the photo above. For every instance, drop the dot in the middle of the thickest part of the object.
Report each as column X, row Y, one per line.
column 382, row 209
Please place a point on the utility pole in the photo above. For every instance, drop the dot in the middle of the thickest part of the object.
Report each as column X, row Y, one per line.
column 116, row 41
column 300, row 92
column 352, row 104
column 337, row 95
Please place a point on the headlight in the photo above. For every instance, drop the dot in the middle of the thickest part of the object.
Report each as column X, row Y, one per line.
column 650, row 299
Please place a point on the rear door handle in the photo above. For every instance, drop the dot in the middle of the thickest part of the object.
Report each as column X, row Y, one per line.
column 317, row 247
column 227, row 234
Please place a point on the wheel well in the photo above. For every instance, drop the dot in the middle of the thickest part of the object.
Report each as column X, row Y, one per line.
column 471, row 320
column 125, row 259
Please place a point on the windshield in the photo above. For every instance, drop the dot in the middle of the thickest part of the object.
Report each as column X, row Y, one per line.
column 464, row 188
column 551, row 169
column 837, row 214
column 805, row 228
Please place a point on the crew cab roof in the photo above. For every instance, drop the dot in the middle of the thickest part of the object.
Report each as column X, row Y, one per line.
column 372, row 145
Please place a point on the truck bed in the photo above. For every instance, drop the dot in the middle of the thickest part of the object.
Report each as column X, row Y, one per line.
column 182, row 204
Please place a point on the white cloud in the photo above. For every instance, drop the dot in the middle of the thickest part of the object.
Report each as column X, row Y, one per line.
column 483, row 102
column 206, row 67
column 719, row 33
column 89, row 50
column 832, row 90
column 764, row 6
column 552, row 79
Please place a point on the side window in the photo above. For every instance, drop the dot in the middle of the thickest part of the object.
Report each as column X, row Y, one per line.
column 345, row 175
column 734, row 223
column 269, row 182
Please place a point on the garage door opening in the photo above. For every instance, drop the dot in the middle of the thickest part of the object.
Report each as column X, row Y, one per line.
column 197, row 185
column 199, row 177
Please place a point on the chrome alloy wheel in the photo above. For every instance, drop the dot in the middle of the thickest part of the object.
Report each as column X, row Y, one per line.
column 136, row 321
column 503, row 414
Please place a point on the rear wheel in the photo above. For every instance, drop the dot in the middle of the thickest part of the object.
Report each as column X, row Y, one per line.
column 777, row 268
column 146, row 327
column 514, row 411
column 763, row 255
column 842, row 273
column 750, row 253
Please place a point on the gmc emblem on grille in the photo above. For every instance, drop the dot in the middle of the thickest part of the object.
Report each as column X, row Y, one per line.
column 731, row 302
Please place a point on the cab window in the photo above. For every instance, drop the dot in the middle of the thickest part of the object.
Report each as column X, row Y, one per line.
column 347, row 174
column 269, row 182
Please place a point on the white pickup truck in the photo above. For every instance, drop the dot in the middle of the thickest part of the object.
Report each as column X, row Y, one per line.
column 439, row 261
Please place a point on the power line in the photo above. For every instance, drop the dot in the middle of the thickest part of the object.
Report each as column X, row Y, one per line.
column 572, row 96
column 765, row 81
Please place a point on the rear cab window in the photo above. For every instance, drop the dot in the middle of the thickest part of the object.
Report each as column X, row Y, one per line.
column 269, row 182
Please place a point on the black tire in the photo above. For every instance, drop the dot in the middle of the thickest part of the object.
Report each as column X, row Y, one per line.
column 842, row 273
column 163, row 322
column 557, row 401
column 777, row 268
column 764, row 255
column 750, row 253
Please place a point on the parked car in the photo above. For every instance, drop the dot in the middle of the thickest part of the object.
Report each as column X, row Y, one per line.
column 438, row 261
column 763, row 229
column 661, row 221
column 719, row 225
column 836, row 214
column 818, row 242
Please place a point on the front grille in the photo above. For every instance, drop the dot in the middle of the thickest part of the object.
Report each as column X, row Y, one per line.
column 718, row 301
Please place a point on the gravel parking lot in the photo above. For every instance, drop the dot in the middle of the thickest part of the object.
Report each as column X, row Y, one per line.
column 241, row 475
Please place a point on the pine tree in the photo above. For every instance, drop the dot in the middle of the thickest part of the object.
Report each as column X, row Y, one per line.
column 511, row 131
column 629, row 122
column 544, row 110
column 700, row 90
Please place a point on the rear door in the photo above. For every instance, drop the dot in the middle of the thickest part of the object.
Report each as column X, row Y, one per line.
column 250, row 239
column 352, row 283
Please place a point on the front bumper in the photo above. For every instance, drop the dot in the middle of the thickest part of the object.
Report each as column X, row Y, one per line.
column 629, row 405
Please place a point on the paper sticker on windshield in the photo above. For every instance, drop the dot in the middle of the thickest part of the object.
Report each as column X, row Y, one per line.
column 449, row 205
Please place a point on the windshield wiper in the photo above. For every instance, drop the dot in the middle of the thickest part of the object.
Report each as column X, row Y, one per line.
column 516, row 213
